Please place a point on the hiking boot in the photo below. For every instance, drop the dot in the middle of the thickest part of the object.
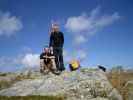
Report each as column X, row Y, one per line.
column 56, row 72
column 45, row 72
column 62, row 69
column 41, row 70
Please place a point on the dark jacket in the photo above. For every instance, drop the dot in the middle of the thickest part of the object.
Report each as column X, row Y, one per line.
column 56, row 40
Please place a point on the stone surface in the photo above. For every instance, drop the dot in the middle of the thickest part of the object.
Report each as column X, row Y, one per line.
column 83, row 84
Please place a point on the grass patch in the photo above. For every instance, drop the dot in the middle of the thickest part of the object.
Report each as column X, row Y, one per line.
column 32, row 98
column 119, row 80
column 3, row 74
column 9, row 78
column 6, row 83
column 88, row 70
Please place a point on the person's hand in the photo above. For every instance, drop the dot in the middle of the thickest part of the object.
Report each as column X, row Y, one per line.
column 51, row 49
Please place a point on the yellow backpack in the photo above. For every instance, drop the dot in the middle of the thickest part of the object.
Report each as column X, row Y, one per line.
column 74, row 64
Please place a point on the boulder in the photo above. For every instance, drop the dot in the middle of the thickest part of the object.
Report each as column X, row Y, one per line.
column 82, row 84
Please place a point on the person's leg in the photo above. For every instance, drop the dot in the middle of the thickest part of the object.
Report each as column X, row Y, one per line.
column 61, row 62
column 53, row 67
column 44, row 67
column 49, row 66
column 41, row 65
column 55, row 52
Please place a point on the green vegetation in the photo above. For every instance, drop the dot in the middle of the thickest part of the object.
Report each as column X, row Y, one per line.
column 88, row 70
column 130, row 87
column 3, row 74
column 32, row 98
column 7, row 83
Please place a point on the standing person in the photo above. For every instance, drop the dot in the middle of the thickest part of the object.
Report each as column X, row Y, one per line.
column 56, row 43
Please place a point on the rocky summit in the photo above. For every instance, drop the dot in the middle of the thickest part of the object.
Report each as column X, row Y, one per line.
column 83, row 84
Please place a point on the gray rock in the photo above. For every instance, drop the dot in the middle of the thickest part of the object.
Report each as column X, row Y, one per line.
column 77, row 85
column 130, row 95
column 114, row 95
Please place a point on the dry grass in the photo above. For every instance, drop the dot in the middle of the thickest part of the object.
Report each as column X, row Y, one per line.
column 119, row 80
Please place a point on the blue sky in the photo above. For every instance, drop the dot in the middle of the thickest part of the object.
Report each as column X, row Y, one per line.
column 96, row 31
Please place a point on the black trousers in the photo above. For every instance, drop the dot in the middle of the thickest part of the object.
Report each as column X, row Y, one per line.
column 58, row 53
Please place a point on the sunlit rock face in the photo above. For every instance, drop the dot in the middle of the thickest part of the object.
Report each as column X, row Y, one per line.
column 83, row 84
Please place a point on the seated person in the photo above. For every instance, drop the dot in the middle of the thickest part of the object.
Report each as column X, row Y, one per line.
column 47, row 62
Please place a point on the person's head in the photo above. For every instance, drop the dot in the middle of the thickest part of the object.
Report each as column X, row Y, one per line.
column 55, row 27
column 46, row 50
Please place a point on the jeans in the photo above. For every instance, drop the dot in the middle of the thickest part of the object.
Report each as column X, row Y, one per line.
column 58, row 53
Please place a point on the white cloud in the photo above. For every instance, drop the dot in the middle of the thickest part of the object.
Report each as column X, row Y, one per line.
column 68, row 56
column 89, row 24
column 65, row 53
column 77, row 24
column 31, row 60
column 9, row 24
column 107, row 20
column 18, row 62
column 81, row 54
column 79, row 39
column 95, row 13
column 75, row 54
column 26, row 49
column 9, row 61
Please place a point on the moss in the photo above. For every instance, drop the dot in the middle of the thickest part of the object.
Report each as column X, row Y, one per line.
column 130, row 87
column 103, row 94
column 88, row 69
column 3, row 74
column 4, row 84
column 32, row 98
